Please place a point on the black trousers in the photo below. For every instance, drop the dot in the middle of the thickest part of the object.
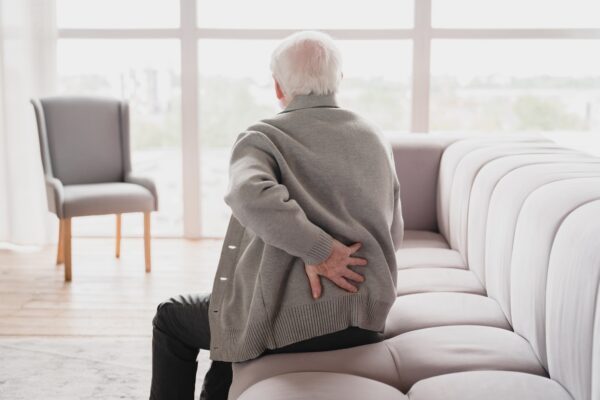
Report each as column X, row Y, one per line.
column 181, row 330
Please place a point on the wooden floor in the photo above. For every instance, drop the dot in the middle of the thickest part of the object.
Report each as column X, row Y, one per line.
column 107, row 296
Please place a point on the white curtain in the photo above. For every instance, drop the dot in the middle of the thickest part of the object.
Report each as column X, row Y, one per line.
column 27, row 69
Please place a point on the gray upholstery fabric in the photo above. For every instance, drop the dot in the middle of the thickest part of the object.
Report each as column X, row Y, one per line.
column 427, row 310
column 84, row 141
column 488, row 385
column 437, row 279
column 106, row 198
column 320, row 386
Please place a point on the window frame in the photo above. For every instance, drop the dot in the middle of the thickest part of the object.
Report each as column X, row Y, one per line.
column 188, row 33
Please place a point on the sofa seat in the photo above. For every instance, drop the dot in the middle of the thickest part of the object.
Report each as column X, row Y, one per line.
column 489, row 385
column 429, row 257
column 427, row 310
column 441, row 350
column 321, row 386
column 423, row 239
column 437, row 279
column 373, row 361
column 425, row 249
column 403, row 360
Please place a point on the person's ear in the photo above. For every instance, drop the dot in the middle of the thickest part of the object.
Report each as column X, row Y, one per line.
column 278, row 90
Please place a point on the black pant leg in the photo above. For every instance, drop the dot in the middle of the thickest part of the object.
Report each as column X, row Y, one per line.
column 180, row 330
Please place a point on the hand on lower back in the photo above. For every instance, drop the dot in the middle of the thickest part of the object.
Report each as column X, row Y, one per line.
column 335, row 268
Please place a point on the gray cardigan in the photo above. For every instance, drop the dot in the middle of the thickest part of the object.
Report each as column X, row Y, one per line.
column 311, row 173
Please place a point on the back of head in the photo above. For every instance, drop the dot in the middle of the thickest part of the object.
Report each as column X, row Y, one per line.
column 307, row 62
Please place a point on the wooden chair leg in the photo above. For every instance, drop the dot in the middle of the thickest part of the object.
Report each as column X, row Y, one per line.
column 147, row 241
column 67, row 247
column 118, row 248
column 60, row 253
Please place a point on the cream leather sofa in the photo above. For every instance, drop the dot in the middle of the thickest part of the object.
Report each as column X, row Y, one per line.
column 498, row 284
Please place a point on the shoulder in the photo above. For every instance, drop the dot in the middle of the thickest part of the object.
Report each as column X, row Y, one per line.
column 253, row 142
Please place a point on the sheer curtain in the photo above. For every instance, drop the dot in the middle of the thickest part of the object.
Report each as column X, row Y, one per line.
column 27, row 69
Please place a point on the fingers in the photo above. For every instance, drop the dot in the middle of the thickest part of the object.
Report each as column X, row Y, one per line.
column 355, row 276
column 354, row 247
column 357, row 261
column 344, row 284
column 315, row 283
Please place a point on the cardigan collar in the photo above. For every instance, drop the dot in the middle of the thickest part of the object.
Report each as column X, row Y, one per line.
column 301, row 101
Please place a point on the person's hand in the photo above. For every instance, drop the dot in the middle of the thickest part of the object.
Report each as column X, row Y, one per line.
column 335, row 268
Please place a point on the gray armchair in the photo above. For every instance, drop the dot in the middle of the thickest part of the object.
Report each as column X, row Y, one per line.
column 84, row 144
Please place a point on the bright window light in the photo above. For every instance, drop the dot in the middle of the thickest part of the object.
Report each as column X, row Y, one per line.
column 235, row 80
column 147, row 74
column 516, row 13
column 307, row 14
column 117, row 13
column 515, row 85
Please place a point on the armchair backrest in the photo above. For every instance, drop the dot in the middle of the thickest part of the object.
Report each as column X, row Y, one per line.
column 83, row 139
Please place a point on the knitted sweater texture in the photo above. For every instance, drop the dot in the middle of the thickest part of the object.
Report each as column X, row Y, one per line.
column 311, row 173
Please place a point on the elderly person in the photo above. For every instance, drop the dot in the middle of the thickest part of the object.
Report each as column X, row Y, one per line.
column 308, row 262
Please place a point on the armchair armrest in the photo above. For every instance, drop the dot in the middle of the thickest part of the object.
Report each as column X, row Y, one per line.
column 144, row 182
column 55, row 195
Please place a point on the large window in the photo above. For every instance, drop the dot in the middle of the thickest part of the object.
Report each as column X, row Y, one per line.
column 233, row 97
column 512, row 86
column 196, row 73
column 147, row 74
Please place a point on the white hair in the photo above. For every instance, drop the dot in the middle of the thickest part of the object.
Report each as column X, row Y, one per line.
column 307, row 62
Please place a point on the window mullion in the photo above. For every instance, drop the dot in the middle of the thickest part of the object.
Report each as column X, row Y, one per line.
column 421, row 66
column 192, row 224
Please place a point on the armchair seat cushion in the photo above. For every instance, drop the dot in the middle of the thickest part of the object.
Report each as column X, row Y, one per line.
column 106, row 198
column 490, row 385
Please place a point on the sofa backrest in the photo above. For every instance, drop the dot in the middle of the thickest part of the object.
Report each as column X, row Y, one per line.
column 573, row 303
column 525, row 216
column 539, row 219
column 497, row 174
column 417, row 158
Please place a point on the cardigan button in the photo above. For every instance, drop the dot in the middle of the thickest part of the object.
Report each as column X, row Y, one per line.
column 223, row 278
column 232, row 246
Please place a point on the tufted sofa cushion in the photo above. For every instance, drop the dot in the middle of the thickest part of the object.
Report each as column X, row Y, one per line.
column 500, row 303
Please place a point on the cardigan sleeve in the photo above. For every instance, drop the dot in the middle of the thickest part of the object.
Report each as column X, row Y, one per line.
column 397, row 228
column 263, row 205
